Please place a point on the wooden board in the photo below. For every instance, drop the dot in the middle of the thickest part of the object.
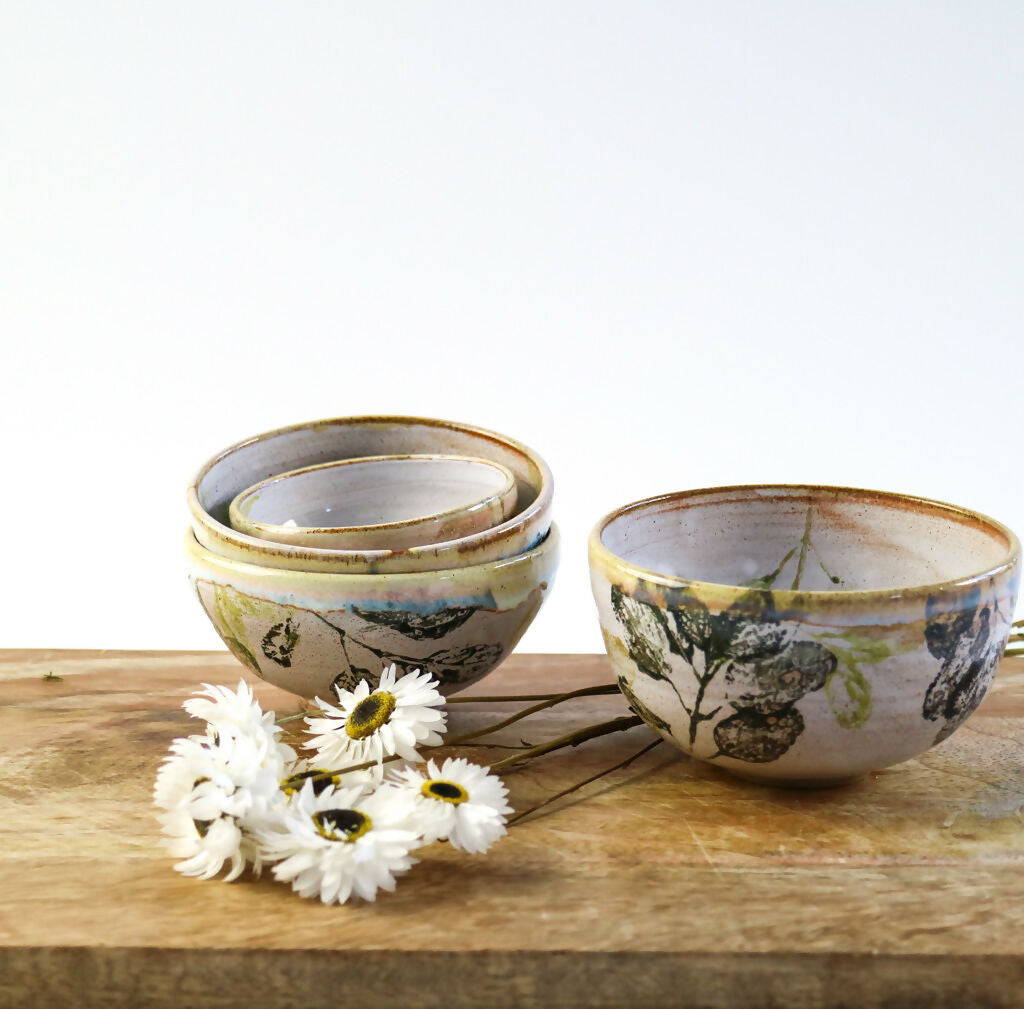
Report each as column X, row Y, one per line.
column 666, row 884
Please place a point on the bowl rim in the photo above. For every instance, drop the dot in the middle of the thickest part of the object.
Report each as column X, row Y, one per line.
column 550, row 543
column 447, row 515
column 610, row 562
column 365, row 558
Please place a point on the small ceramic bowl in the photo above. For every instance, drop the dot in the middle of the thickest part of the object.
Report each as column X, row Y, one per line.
column 266, row 455
column 309, row 631
column 379, row 502
column 803, row 635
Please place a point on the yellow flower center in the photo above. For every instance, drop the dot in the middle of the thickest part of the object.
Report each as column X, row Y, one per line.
column 446, row 791
column 341, row 824
column 370, row 714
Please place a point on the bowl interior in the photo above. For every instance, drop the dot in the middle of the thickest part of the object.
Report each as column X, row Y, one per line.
column 806, row 538
column 384, row 490
column 268, row 455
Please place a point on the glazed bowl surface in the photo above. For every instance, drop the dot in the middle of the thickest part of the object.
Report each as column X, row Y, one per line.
column 307, row 631
column 248, row 462
column 803, row 635
column 377, row 502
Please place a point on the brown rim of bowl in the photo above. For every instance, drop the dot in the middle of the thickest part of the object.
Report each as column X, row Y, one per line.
column 545, row 491
column 610, row 561
column 550, row 544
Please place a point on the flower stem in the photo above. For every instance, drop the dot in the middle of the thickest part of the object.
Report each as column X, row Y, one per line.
column 526, row 754
column 580, row 784
column 570, row 739
column 603, row 688
column 298, row 714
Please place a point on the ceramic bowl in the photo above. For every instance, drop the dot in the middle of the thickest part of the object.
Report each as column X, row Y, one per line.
column 378, row 502
column 309, row 631
column 803, row 635
column 266, row 455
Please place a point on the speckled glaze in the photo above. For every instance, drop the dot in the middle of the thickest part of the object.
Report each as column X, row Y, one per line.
column 803, row 635
column 306, row 631
column 248, row 462
column 378, row 502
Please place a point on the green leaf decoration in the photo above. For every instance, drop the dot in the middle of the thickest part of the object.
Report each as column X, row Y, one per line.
column 849, row 696
column 242, row 653
column 848, row 689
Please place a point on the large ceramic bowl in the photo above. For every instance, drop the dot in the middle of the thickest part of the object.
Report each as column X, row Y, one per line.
column 307, row 631
column 803, row 635
column 384, row 501
column 248, row 462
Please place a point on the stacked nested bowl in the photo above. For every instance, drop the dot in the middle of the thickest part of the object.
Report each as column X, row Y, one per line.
column 324, row 552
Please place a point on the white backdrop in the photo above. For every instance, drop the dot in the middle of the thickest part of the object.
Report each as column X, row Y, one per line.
column 666, row 244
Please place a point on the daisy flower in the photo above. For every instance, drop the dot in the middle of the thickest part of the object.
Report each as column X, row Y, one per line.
column 459, row 801
column 395, row 718
column 236, row 713
column 215, row 792
column 341, row 842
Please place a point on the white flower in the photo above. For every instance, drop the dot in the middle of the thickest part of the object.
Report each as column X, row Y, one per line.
column 459, row 801
column 215, row 792
column 236, row 713
column 393, row 719
column 205, row 845
column 341, row 842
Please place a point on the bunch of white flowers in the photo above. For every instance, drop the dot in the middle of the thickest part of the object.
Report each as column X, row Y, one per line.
column 238, row 795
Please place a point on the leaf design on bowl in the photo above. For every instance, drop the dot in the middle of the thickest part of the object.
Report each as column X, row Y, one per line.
column 418, row 626
column 280, row 641
column 758, row 737
column 757, row 659
column 771, row 682
column 969, row 647
column 654, row 721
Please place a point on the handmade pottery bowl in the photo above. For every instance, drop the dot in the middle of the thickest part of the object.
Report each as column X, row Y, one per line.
column 378, row 502
column 266, row 455
column 309, row 631
column 803, row 635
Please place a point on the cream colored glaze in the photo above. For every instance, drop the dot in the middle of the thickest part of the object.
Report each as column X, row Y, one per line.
column 377, row 502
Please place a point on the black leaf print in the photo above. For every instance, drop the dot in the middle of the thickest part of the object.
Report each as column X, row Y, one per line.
column 280, row 641
column 418, row 626
column 758, row 737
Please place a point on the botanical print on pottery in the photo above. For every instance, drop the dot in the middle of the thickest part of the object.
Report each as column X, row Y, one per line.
column 968, row 641
column 457, row 644
column 761, row 664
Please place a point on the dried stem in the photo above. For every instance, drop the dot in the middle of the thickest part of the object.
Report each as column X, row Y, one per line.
column 298, row 714
column 547, row 701
column 532, row 710
column 594, row 777
column 570, row 739
column 603, row 688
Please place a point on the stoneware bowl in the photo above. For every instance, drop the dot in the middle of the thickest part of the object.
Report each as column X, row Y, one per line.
column 266, row 455
column 379, row 502
column 803, row 635
column 307, row 631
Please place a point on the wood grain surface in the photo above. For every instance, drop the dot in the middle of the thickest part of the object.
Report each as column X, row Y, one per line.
column 665, row 884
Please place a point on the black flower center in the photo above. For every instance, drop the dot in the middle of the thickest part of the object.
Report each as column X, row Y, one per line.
column 202, row 826
column 321, row 779
column 370, row 714
column 341, row 824
column 446, row 791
